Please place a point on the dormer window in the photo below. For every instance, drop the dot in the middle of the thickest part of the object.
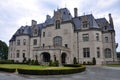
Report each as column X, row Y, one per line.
column 57, row 24
column 35, row 31
column 85, row 24
column 64, row 13
column 105, row 27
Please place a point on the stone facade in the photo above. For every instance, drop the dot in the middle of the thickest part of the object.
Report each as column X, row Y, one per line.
column 63, row 38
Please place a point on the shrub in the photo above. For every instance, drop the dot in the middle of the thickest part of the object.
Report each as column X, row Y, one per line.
column 55, row 63
column 75, row 60
column 29, row 61
column 7, row 70
column 72, row 65
column 32, row 62
column 36, row 62
column 89, row 63
column 6, row 61
column 24, row 60
column 84, row 63
column 94, row 61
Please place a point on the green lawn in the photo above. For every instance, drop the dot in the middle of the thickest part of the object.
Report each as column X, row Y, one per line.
column 113, row 65
column 32, row 67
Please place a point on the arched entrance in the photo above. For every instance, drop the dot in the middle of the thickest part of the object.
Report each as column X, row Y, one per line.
column 45, row 57
column 63, row 58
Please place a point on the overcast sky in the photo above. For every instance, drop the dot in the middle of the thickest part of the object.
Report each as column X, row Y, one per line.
column 17, row 13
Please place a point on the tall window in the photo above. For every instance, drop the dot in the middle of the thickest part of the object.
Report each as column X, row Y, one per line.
column 35, row 31
column 18, row 53
column 85, row 37
column 43, row 45
column 85, row 24
column 98, row 52
column 108, row 53
column 18, row 42
column 24, row 42
column 86, row 52
column 105, row 27
column 106, row 39
column 43, row 34
column 66, row 45
column 35, row 42
column 97, row 36
column 57, row 41
column 57, row 24
column 23, row 53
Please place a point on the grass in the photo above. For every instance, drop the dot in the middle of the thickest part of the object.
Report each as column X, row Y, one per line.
column 31, row 67
column 113, row 65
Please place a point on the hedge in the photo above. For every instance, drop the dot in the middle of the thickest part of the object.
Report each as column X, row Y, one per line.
column 6, row 61
column 72, row 65
column 7, row 70
column 52, row 72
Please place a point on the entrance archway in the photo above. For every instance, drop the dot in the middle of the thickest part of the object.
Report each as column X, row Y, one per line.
column 63, row 58
column 45, row 57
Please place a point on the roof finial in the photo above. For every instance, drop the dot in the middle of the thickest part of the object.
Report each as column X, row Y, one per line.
column 26, row 23
column 57, row 7
column 84, row 13
column 91, row 12
column 65, row 5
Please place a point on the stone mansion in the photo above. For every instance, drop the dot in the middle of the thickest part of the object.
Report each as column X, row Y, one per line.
column 63, row 37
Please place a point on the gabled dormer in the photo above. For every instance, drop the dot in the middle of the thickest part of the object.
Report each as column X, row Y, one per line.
column 85, row 22
column 57, row 19
column 35, row 29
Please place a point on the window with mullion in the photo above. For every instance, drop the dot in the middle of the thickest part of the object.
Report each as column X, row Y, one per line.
column 85, row 37
column 57, row 24
column 86, row 52
column 57, row 41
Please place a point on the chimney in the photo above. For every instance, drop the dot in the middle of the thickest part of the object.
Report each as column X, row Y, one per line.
column 75, row 12
column 110, row 20
column 34, row 23
column 48, row 17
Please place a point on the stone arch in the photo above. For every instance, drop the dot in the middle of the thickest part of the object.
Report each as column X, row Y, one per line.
column 45, row 57
column 63, row 58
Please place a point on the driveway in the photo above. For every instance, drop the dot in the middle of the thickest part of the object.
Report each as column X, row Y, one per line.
column 92, row 73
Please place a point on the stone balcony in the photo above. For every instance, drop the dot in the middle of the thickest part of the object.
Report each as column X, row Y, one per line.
column 51, row 48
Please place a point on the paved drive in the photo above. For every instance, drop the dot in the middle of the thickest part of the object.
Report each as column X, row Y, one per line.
column 92, row 73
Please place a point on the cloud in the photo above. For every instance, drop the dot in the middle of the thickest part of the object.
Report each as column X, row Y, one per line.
column 16, row 13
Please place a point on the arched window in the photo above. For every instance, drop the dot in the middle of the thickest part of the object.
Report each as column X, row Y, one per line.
column 57, row 41
column 108, row 53
column 57, row 24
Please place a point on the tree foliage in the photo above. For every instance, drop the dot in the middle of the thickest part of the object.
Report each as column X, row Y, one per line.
column 3, row 50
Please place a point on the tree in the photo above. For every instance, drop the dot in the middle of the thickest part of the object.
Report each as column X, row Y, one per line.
column 75, row 60
column 118, row 54
column 94, row 61
column 3, row 50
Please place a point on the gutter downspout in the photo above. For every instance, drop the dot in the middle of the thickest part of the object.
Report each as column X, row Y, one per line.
column 78, row 46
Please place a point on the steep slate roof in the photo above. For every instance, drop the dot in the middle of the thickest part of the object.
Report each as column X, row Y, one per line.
column 65, row 16
column 102, row 22
column 78, row 21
